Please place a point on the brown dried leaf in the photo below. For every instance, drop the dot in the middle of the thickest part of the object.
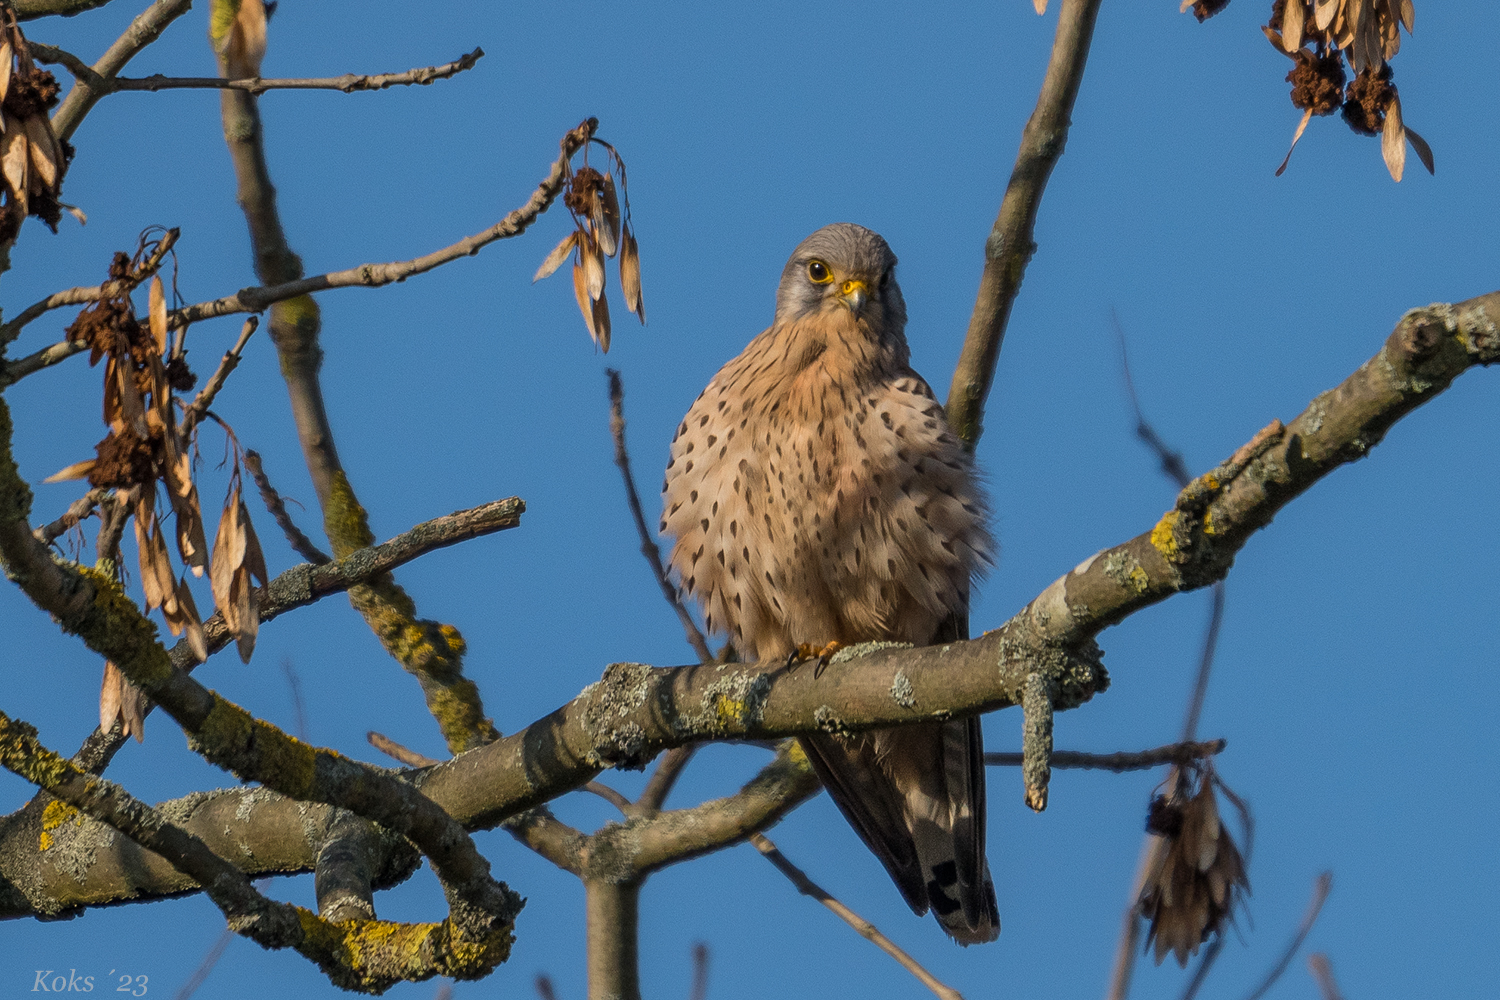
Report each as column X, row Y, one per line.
column 1408, row 15
column 601, row 322
column 581, row 293
column 224, row 562
column 1323, row 13
column 44, row 155
column 1393, row 140
column 255, row 560
column 157, row 579
column 1041, row 5
column 554, row 260
column 109, row 695
column 1301, row 127
column 242, row 596
column 78, row 470
column 192, row 621
column 1292, row 19
column 158, row 312
column 593, row 265
column 1424, row 151
column 191, row 543
column 7, row 58
column 132, row 711
column 14, row 164
column 606, row 218
column 630, row 276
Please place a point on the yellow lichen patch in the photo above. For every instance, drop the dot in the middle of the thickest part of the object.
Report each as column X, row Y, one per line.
column 287, row 764
column 1162, row 536
column 117, row 629
column 346, row 522
column 1208, row 521
column 53, row 816
column 1139, row 579
column 729, row 710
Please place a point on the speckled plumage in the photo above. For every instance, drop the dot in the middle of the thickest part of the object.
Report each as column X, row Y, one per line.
column 816, row 493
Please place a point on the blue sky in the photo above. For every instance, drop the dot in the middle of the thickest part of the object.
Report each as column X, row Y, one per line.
column 1356, row 671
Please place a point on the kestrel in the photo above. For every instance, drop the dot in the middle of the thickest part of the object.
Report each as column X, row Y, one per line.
column 816, row 494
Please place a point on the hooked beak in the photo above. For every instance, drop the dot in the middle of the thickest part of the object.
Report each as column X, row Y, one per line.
column 853, row 294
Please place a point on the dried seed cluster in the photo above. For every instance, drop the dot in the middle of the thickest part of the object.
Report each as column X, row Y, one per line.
column 1323, row 38
column 601, row 230
column 1200, row 877
column 32, row 158
column 151, row 443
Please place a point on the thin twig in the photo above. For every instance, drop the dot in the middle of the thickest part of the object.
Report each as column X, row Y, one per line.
column 1172, row 464
column 1321, row 886
column 229, row 363
column 659, row 786
column 1205, row 966
column 867, row 930
column 1010, row 244
column 396, row 751
column 76, row 512
column 210, row 959
column 348, row 83
column 609, row 795
column 303, row 545
column 700, row 972
column 1175, row 469
column 544, row 988
column 648, row 546
column 1322, row 971
column 299, row 710
column 1175, row 753
column 257, row 298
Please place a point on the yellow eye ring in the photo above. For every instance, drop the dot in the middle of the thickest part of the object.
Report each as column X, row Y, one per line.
column 818, row 272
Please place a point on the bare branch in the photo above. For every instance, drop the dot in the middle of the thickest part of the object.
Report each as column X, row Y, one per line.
column 229, row 363
column 145, row 29
column 1322, row 971
column 1321, row 886
column 277, row 507
column 30, row 10
column 609, row 795
column 648, row 545
column 1010, row 244
column 395, row 750
column 76, row 512
column 256, row 299
column 348, row 83
column 1174, row 753
column 700, row 972
column 662, row 780
column 863, row 927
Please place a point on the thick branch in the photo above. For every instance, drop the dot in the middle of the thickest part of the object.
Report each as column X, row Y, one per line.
column 1010, row 246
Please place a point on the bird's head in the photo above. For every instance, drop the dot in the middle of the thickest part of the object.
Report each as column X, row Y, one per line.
column 843, row 268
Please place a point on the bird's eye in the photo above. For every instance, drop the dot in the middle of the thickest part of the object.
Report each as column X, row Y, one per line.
column 818, row 272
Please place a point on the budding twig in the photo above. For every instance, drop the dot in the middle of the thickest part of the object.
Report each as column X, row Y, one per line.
column 1174, row 753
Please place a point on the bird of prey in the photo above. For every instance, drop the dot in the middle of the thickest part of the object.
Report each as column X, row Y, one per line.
column 817, row 496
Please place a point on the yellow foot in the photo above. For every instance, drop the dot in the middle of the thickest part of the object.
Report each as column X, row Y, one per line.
column 810, row 651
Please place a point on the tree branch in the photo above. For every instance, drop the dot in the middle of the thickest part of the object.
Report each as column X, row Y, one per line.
column 1321, row 887
column 1010, row 245
column 348, row 83
column 648, row 545
column 865, row 929
column 299, row 542
column 1322, row 971
column 145, row 29
column 1175, row 753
